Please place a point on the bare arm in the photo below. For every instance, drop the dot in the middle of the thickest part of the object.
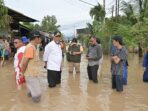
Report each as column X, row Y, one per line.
column 24, row 64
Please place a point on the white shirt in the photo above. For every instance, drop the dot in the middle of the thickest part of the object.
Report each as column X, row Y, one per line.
column 17, row 61
column 53, row 56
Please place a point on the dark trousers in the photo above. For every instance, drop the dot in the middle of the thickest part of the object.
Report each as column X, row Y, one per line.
column 92, row 73
column 117, row 82
column 53, row 77
column 145, row 75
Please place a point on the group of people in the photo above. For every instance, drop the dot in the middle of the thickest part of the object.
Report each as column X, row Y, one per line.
column 94, row 56
column 27, row 62
column 4, row 51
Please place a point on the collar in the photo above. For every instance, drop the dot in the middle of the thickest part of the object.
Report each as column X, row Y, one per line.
column 58, row 43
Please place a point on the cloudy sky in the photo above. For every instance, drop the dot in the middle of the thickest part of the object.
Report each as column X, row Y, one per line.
column 66, row 11
column 70, row 14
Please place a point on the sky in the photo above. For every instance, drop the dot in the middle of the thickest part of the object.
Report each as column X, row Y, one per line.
column 69, row 13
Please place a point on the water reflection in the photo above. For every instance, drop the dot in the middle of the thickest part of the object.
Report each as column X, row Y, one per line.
column 77, row 93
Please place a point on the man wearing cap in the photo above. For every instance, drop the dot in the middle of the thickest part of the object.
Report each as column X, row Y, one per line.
column 53, row 60
column 25, row 40
column 19, row 45
column 118, row 61
column 75, row 50
column 30, row 66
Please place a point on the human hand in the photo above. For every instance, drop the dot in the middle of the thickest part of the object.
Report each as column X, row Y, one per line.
column 74, row 53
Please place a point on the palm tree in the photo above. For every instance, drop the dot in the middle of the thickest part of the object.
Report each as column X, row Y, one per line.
column 90, row 29
column 142, row 6
column 128, row 10
column 97, row 13
column 139, row 13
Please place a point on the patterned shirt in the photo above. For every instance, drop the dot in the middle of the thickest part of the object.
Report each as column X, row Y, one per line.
column 118, row 69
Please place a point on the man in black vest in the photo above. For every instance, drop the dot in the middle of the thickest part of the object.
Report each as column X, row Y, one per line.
column 75, row 50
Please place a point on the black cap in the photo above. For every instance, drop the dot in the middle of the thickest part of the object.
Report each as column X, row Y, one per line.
column 74, row 40
column 57, row 33
column 118, row 38
column 36, row 33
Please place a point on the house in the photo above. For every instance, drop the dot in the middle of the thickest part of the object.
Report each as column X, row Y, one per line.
column 16, row 19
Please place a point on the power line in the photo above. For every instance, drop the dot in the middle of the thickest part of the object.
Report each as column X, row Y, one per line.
column 86, row 3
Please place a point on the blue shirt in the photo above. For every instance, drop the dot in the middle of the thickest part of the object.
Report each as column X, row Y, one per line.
column 145, row 60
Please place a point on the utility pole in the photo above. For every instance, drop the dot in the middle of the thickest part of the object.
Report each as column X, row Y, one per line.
column 104, row 4
column 112, row 11
column 116, row 12
column 118, row 7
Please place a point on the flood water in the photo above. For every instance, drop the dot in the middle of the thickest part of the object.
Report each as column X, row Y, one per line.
column 76, row 93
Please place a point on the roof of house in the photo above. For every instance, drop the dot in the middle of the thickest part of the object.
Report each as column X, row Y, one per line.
column 19, row 16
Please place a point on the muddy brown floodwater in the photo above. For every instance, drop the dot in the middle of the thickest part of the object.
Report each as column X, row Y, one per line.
column 76, row 93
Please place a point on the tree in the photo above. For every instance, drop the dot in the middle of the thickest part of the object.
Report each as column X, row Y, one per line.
column 129, row 12
column 142, row 8
column 140, row 12
column 90, row 29
column 37, row 27
column 98, row 13
column 28, row 25
column 49, row 23
column 137, row 14
column 4, row 18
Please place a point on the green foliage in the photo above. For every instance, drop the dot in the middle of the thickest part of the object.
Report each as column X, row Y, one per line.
column 49, row 23
column 98, row 13
column 28, row 25
column 132, row 26
column 90, row 29
column 128, row 10
column 37, row 27
column 4, row 18
column 140, row 33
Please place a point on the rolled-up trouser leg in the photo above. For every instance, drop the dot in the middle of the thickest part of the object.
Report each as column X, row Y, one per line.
column 33, row 86
column 70, row 64
column 77, row 67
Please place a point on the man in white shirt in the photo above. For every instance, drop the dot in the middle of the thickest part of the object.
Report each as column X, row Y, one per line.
column 20, row 46
column 53, row 60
